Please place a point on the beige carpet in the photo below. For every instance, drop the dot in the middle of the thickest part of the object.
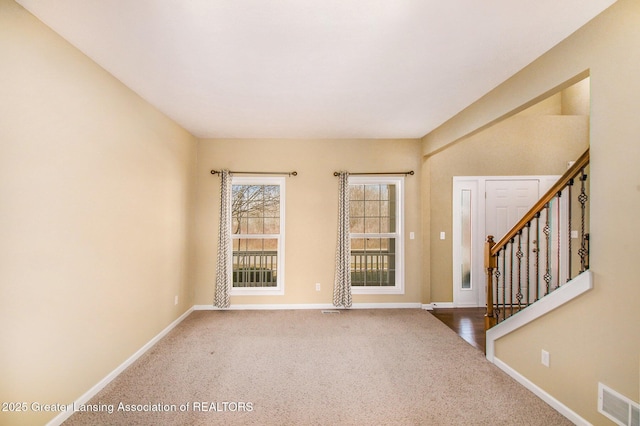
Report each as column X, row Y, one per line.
column 358, row 367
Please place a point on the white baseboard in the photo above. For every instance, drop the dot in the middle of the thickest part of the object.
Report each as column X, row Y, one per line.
column 436, row 305
column 387, row 305
column 447, row 305
column 319, row 306
column 542, row 394
column 60, row 418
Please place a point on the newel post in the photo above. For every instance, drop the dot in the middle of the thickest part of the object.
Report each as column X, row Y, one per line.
column 490, row 263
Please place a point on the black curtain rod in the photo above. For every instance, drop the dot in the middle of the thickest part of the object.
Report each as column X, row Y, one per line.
column 294, row 173
column 410, row 172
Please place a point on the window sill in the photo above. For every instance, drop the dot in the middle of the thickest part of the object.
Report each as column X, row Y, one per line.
column 256, row 291
column 377, row 290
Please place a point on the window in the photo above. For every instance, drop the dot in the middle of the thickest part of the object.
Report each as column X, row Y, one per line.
column 376, row 212
column 257, row 235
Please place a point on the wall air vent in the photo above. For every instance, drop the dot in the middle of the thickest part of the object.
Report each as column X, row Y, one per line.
column 617, row 407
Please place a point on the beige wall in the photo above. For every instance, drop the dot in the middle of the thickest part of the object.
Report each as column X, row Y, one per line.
column 549, row 141
column 576, row 99
column 96, row 191
column 596, row 337
column 311, row 210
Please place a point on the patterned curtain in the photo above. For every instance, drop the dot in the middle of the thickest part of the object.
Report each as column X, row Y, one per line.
column 342, row 284
column 224, row 264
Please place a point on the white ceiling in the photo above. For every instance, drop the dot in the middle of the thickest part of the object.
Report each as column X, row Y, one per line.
column 313, row 69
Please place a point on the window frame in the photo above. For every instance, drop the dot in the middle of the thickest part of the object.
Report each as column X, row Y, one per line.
column 398, row 181
column 278, row 290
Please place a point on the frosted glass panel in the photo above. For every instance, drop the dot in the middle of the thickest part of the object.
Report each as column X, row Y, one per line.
column 466, row 239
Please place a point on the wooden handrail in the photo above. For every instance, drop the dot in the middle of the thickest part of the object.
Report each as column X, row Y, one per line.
column 571, row 173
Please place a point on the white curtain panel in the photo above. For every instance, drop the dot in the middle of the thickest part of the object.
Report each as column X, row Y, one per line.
column 342, row 284
column 224, row 264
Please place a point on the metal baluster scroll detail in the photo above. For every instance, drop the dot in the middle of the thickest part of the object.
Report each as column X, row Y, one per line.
column 582, row 199
column 519, row 255
column 546, row 230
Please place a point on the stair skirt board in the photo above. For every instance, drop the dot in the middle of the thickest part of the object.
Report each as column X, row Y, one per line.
column 567, row 292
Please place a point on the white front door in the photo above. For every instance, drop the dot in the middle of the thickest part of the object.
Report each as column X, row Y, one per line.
column 486, row 206
column 506, row 202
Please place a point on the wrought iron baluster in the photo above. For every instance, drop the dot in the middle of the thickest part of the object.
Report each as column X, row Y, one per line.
column 504, row 284
column 537, row 257
column 528, row 268
column 511, row 275
column 583, row 198
column 496, row 302
column 558, row 222
column 586, row 244
column 569, row 220
column 547, row 231
column 519, row 255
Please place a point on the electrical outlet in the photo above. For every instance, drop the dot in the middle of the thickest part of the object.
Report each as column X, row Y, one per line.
column 545, row 358
column 317, row 286
column 175, row 300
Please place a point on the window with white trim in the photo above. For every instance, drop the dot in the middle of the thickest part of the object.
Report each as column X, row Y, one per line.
column 257, row 235
column 376, row 223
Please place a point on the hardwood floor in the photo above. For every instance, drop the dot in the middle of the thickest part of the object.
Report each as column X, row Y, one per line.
column 467, row 322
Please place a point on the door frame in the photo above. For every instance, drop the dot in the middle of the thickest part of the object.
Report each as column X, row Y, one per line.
column 477, row 185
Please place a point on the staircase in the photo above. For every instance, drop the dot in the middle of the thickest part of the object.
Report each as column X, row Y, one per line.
column 548, row 249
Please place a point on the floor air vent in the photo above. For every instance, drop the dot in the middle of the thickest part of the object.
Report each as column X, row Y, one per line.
column 330, row 311
column 617, row 407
